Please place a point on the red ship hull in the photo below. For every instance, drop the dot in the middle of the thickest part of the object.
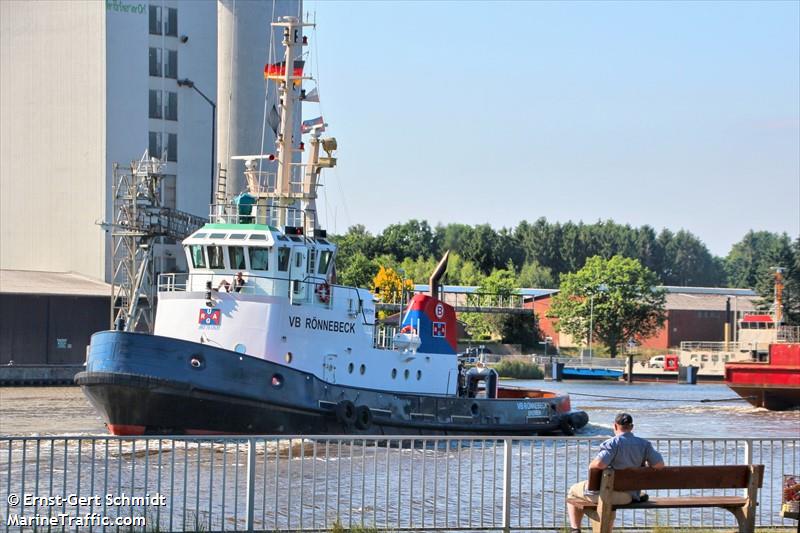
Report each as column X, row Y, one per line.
column 773, row 384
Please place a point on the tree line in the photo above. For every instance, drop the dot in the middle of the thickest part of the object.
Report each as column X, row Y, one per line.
column 538, row 254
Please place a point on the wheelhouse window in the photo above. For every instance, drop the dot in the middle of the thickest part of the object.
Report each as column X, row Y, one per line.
column 324, row 261
column 283, row 259
column 198, row 259
column 236, row 257
column 259, row 258
column 216, row 259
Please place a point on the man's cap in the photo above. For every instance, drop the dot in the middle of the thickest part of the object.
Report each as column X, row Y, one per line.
column 623, row 419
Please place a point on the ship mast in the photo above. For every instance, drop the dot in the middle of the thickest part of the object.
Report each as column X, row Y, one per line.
column 294, row 181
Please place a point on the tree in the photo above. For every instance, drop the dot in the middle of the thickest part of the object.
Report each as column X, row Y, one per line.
column 412, row 239
column 536, row 276
column 389, row 285
column 619, row 294
column 359, row 271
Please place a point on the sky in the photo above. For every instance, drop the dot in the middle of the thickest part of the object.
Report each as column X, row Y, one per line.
column 684, row 115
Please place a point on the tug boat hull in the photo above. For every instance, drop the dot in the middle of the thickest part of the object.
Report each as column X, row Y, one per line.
column 147, row 384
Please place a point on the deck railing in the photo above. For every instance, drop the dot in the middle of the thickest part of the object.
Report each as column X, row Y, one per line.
column 309, row 483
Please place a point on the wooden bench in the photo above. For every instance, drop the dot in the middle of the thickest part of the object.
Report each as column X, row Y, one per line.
column 748, row 477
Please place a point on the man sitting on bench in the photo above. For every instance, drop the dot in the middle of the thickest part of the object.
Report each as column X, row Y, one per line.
column 624, row 450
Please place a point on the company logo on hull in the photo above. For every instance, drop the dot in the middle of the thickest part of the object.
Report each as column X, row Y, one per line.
column 209, row 317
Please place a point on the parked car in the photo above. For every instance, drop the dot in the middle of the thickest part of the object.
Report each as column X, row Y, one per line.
column 656, row 362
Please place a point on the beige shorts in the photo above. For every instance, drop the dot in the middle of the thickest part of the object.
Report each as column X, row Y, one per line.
column 578, row 490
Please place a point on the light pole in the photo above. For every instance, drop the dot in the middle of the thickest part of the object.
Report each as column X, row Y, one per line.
column 602, row 287
column 186, row 82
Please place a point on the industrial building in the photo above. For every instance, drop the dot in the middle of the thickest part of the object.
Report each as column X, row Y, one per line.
column 693, row 314
column 86, row 84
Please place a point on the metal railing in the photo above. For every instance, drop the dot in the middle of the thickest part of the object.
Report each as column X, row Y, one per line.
column 713, row 346
column 309, row 483
column 788, row 334
column 263, row 214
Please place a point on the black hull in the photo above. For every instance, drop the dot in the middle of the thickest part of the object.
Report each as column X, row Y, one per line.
column 148, row 406
column 144, row 384
column 769, row 397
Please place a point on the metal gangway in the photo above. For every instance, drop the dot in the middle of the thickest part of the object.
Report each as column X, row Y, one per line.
column 139, row 221
column 465, row 299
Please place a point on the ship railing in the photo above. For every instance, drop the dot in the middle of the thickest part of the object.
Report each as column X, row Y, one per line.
column 788, row 334
column 263, row 183
column 310, row 290
column 383, row 336
column 309, row 483
column 696, row 346
column 262, row 214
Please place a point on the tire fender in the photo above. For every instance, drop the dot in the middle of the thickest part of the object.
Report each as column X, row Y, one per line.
column 346, row 412
column 363, row 417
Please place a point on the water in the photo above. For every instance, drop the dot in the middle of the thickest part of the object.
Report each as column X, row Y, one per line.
column 659, row 410
column 406, row 485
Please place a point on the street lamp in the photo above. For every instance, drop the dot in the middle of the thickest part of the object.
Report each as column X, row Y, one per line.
column 602, row 287
column 186, row 82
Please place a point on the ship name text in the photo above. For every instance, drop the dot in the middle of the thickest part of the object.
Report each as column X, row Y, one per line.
column 334, row 326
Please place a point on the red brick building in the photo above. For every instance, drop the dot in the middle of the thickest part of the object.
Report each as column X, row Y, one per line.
column 693, row 314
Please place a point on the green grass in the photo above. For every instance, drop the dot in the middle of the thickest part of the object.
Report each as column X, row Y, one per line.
column 518, row 368
column 337, row 527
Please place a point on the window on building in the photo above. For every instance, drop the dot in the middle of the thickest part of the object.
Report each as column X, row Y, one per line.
column 198, row 259
column 171, row 26
column 236, row 257
column 283, row 259
column 171, row 109
column 215, row 258
column 168, row 191
column 155, row 146
column 155, row 61
column 155, row 104
column 172, row 147
column 171, row 64
column 155, row 20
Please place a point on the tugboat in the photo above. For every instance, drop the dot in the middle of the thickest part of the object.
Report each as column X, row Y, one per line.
column 770, row 379
column 257, row 338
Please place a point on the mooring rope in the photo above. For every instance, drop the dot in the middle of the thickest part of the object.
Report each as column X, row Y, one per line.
column 705, row 400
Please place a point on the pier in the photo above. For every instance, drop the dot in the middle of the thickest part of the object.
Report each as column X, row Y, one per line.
column 310, row 483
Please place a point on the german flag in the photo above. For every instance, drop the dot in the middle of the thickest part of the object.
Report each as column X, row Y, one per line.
column 277, row 71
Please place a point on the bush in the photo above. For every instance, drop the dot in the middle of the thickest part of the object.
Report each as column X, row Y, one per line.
column 519, row 368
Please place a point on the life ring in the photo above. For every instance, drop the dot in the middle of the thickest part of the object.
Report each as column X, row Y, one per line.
column 323, row 291
column 408, row 329
column 363, row 417
column 346, row 412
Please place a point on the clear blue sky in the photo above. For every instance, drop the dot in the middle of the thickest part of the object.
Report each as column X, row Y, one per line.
column 677, row 114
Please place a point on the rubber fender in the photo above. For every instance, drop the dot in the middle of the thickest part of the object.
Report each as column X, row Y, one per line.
column 363, row 417
column 578, row 419
column 566, row 426
column 346, row 412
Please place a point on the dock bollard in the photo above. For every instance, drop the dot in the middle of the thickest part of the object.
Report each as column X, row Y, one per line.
column 687, row 375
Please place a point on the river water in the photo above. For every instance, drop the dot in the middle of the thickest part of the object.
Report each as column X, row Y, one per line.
column 406, row 484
